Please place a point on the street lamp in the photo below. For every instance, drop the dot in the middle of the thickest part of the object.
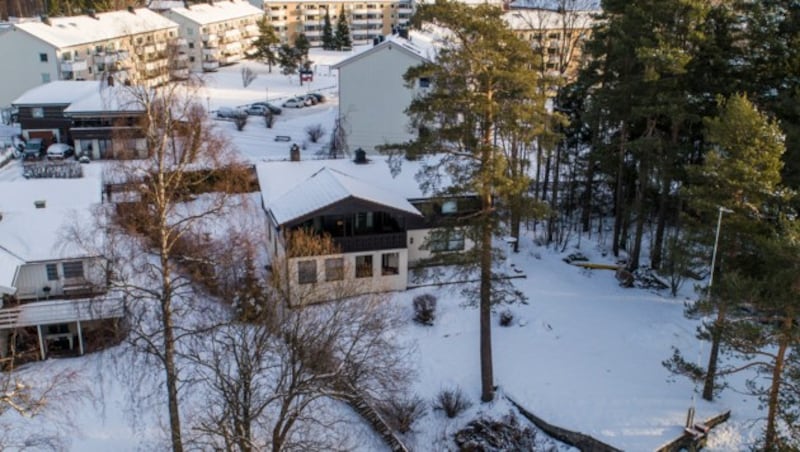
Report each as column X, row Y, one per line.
column 722, row 210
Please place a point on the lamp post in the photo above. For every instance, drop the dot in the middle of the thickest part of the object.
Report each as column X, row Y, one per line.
column 722, row 210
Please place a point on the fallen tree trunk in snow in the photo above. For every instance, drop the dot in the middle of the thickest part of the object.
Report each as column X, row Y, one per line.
column 693, row 438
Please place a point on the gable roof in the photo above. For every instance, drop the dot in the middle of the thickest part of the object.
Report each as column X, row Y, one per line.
column 108, row 99
column 70, row 31
column 203, row 13
column 59, row 92
column 423, row 50
column 327, row 187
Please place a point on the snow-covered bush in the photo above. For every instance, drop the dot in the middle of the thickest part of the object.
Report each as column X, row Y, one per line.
column 506, row 318
column 503, row 434
column 452, row 401
column 401, row 413
column 425, row 309
column 315, row 132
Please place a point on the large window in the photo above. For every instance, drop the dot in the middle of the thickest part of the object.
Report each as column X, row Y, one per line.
column 334, row 269
column 450, row 206
column 52, row 272
column 73, row 269
column 43, row 57
column 447, row 241
column 307, row 272
column 364, row 266
column 390, row 263
column 37, row 112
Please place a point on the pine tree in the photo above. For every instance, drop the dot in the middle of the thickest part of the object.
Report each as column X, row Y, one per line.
column 481, row 86
column 265, row 44
column 289, row 59
column 342, row 37
column 302, row 45
column 328, row 41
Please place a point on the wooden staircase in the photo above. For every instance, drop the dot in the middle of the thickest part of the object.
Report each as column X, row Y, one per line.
column 360, row 404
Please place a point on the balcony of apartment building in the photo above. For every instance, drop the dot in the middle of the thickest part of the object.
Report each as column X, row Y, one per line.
column 210, row 39
column 211, row 54
column 251, row 31
column 404, row 7
column 180, row 42
column 73, row 66
column 232, row 35
column 179, row 73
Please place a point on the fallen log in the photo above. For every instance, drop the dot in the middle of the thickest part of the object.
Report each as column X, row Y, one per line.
column 694, row 437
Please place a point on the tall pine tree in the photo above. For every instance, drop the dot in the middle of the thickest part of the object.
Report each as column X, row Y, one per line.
column 328, row 41
column 266, row 42
column 342, row 37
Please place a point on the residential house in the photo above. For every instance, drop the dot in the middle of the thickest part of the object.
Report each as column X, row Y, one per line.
column 49, row 285
column 217, row 33
column 373, row 96
column 367, row 20
column 98, row 120
column 131, row 45
column 380, row 223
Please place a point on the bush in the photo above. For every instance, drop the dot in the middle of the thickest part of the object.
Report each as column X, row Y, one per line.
column 506, row 318
column 452, row 401
column 401, row 414
column 425, row 309
column 240, row 121
column 315, row 132
column 269, row 119
column 503, row 434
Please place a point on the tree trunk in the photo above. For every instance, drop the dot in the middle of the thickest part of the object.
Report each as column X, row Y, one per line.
column 586, row 199
column 487, row 377
column 656, row 251
column 633, row 262
column 554, row 204
column 169, row 359
column 771, row 440
column 619, row 198
column 716, row 338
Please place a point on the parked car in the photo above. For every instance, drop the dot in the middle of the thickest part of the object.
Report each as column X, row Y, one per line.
column 256, row 110
column 274, row 109
column 230, row 113
column 60, row 151
column 33, row 149
column 320, row 98
column 309, row 99
column 295, row 102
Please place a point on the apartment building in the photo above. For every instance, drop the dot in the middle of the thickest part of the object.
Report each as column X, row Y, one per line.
column 367, row 19
column 216, row 33
column 557, row 36
column 131, row 45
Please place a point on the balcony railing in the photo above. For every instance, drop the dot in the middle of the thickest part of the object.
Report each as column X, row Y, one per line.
column 180, row 74
column 74, row 66
column 210, row 65
column 371, row 242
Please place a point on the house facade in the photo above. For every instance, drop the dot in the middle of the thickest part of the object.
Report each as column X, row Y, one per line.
column 53, row 292
column 98, row 120
column 373, row 95
column 366, row 20
column 372, row 223
column 132, row 45
column 216, row 33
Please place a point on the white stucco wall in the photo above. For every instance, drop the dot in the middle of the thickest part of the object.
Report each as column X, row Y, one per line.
column 32, row 278
column 373, row 98
column 22, row 70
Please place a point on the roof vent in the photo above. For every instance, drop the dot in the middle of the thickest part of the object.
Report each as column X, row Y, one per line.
column 131, row 10
column 45, row 20
column 361, row 156
column 40, row 204
column 90, row 13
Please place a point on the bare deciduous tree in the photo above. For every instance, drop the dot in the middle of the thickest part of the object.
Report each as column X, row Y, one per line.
column 248, row 76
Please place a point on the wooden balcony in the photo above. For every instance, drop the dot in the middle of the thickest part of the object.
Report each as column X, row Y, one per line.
column 372, row 242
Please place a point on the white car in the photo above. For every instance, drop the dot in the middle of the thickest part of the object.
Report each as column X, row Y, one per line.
column 60, row 151
column 295, row 102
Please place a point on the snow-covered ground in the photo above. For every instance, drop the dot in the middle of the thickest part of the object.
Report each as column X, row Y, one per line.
column 584, row 353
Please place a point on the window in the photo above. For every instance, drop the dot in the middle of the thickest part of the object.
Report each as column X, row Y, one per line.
column 390, row 263
column 334, row 269
column 189, row 31
column 191, row 45
column 52, row 272
column 364, row 266
column 72, row 269
column 37, row 112
column 450, row 207
column 45, row 77
column 307, row 272
column 447, row 241
column 43, row 57
column 424, row 82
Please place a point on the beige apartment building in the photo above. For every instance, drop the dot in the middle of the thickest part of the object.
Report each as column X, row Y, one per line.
column 367, row 19
column 131, row 45
column 217, row 33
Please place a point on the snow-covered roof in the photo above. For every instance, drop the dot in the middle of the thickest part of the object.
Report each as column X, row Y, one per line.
column 540, row 19
column 328, row 186
column 282, row 184
column 36, row 234
column 221, row 11
column 418, row 45
column 60, row 92
column 61, row 311
column 108, row 99
column 556, row 4
column 163, row 5
column 70, row 31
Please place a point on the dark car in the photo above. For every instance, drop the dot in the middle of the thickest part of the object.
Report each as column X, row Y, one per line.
column 320, row 98
column 230, row 113
column 33, row 149
column 274, row 109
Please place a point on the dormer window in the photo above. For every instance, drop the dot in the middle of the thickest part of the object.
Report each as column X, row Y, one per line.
column 424, row 82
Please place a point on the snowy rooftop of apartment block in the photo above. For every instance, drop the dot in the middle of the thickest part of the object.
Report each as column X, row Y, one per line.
column 205, row 13
column 76, row 30
column 59, row 92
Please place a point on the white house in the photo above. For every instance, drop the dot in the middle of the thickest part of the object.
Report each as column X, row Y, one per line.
column 130, row 44
column 49, row 285
column 374, row 218
column 217, row 33
column 373, row 95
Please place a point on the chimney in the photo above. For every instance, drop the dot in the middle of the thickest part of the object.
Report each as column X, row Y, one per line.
column 294, row 153
column 45, row 20
column 110, row 80
column 403, row 32
column 131, row 10
column 91, row 13
column 361, row 156
column 39, row 204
